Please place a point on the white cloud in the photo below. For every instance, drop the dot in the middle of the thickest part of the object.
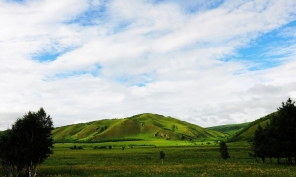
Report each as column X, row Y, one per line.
column 166, row 58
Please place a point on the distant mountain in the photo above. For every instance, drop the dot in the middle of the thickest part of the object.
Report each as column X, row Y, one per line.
column 139, row 127
column 247, row 133
column 229, row 128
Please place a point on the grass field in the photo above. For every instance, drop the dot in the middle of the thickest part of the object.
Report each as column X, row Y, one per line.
column 247, row 133
column 229, row 128
column 143, row 160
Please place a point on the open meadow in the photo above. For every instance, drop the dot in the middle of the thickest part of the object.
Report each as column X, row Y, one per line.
column 140, row 159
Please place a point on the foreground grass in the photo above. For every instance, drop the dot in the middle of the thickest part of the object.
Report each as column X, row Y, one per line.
column 144, row 161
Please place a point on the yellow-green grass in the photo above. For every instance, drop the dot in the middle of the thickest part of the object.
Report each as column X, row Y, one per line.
column 247, row 133
column 141, row 143
column 251, row 130
column 144, row 161
column 139, row 127
column 229, row 128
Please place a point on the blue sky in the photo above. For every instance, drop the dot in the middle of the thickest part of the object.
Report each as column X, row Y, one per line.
column 206, row 62
column 261, row 50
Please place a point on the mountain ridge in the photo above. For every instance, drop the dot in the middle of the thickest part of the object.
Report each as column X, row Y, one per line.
column 146, row 126
column 229, row 128
column 247, row 133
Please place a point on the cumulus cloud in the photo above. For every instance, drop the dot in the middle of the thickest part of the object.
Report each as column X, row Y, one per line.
column 89, row 60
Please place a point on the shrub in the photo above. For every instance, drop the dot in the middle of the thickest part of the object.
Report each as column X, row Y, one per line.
column 224, row 150
column 77, row 147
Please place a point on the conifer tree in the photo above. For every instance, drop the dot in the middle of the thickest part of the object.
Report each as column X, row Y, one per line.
column 278, row 139
column 259, row 143
column 285, row 126
column 161, row 156
column 224, row 150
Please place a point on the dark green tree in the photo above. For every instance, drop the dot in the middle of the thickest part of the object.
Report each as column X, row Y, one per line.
column 272, row 140
column 259, row 144
column 29, row 141
column 278, row 139
column 224, row 150
column 161, row 156
column 10, row 155
column 284, row 124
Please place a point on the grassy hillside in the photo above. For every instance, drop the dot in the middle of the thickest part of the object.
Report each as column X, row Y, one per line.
column 247, row 133
column 229, row 128
column 139, row 127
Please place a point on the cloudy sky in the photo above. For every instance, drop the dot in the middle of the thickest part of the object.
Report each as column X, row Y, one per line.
column 208, row 62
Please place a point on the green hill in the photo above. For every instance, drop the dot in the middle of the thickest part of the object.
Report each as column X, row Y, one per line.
column 247, row 133
column 229, row 128
column 139, row 127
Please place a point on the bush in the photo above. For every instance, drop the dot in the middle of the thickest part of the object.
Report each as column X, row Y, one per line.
column 77, row 147
column 224, row 150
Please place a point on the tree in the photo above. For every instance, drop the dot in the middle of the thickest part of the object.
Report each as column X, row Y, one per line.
column 284, row 125
column 224, row 150
column 29, row 141
column 259, row 144
column 278, row 139
column 271, row 145
column 9, row 154
column 161, row 156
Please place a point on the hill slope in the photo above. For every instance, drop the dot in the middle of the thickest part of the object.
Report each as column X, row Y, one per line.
column 229, row 128
column 139, row 127
column 247, row 133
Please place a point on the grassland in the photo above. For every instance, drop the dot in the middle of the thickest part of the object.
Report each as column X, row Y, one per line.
column 229, row 128
column 139, row 127
column 247, row 133
column 143, row 160
column 195, row 154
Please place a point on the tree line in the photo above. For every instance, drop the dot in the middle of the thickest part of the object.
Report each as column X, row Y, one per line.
column 278, row 138
column 27, row 144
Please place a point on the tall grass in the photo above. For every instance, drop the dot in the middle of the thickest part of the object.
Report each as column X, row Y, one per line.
column 139, row 161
